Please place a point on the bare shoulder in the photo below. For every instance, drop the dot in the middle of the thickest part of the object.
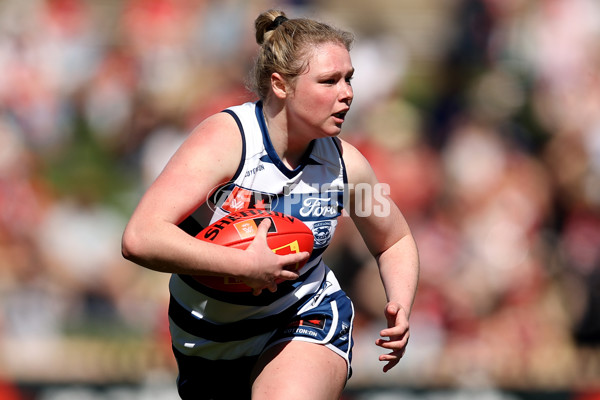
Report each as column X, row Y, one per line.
column 213, row 149
column 219, row 132
column 358, row 168
column 208, row 157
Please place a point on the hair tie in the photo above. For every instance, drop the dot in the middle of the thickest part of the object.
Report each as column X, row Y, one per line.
column 276, row 22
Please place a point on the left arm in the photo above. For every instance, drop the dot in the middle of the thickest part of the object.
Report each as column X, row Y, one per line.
column 387, row 236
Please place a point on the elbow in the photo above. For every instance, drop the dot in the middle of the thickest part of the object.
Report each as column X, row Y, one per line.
column 131, row 245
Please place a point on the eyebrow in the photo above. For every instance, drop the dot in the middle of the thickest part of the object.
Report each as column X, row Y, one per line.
column 335, row 72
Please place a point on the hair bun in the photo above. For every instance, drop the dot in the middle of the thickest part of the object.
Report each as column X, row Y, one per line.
column 276, row 22
column 267, row 22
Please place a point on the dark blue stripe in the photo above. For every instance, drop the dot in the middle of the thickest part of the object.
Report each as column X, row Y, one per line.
column 337, row 144
column 243, row 159
column 316, row 253
column 247, row 298
column 239, row 330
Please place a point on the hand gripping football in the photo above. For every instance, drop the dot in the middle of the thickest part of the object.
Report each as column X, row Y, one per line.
column 286, row 235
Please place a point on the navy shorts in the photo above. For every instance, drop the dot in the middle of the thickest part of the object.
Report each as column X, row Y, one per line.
column 329, row 323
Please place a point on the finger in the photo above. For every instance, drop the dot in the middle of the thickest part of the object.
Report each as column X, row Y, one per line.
column 291, row 261
column 398, row 331
column 392, row 344
column 288, row 275
column 392, row 360
column 392, row 357
column 390, row 365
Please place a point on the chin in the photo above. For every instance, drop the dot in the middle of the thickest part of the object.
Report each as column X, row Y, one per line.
column 332, row 132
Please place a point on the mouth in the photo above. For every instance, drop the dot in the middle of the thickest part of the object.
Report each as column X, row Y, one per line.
column 340, row 115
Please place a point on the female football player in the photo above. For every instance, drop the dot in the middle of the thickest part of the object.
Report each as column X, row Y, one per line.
column 292, row 339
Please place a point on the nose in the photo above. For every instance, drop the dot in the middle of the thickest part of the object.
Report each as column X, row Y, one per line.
column 346, row 93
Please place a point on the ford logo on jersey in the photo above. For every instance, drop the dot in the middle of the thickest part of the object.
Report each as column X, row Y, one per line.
column 318, row 207
column 311, row 206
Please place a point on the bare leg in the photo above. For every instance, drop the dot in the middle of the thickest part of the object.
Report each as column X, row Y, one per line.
column 299, row 370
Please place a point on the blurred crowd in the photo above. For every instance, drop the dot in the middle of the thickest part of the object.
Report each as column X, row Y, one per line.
column 488, row 132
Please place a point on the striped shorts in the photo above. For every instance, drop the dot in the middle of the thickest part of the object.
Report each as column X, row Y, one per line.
column 220, row 368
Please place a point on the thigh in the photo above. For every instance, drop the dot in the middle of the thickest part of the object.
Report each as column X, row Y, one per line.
column 328, row 323
column 310, row 357
column 299, row 370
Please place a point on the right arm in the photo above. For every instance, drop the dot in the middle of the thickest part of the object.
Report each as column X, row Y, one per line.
column 208, row 158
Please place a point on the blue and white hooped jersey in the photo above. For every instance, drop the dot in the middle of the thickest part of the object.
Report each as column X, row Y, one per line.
column 224, row 325
column 313, row 192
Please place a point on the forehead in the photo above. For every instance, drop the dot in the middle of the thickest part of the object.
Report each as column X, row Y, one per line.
column 328, row 57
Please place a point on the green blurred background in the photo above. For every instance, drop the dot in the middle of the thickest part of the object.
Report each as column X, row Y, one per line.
column 482, row 115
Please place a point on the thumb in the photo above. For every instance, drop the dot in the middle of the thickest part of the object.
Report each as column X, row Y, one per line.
column 391, row 311
column 263, row 228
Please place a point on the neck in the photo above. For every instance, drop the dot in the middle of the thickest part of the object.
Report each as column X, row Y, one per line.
column 289, row 147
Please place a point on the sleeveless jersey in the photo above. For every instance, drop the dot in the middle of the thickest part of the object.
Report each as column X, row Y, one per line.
column 217, row 324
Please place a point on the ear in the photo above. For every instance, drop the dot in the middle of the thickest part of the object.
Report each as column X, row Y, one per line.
column 279, row 86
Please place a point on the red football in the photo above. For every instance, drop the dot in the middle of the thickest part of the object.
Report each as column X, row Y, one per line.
column 286, row 235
